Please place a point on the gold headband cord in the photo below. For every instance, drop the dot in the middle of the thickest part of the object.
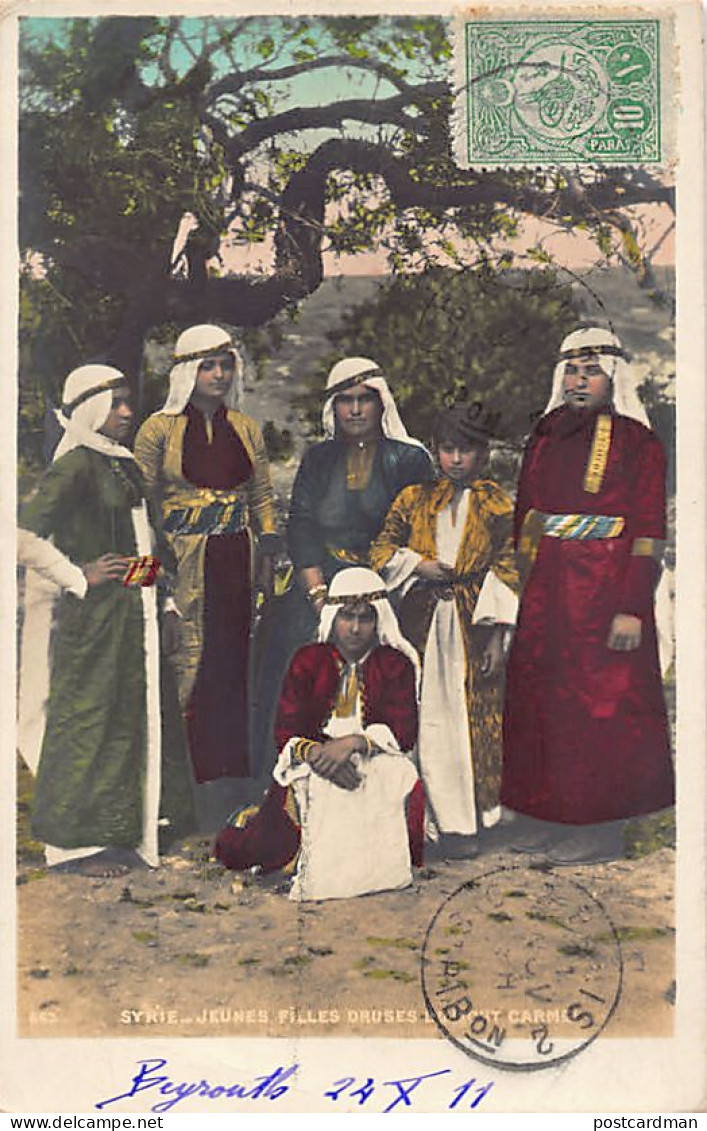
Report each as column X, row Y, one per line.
column 592, row 351
column 200, row 355
column 349, row 382
column 106, row 386
column 356, row 598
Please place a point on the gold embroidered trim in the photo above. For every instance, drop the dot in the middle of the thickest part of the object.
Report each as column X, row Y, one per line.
column 359, row 462
column 599, row 455
column 348, row 556
column 347, row 695
column 531, row 532
column 301, row 750
column 646, row 548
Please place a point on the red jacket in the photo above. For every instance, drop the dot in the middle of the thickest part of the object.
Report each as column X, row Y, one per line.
column 310, row 686
column 307, row 698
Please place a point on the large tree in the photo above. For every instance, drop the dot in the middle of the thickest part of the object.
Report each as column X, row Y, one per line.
column 128, row 124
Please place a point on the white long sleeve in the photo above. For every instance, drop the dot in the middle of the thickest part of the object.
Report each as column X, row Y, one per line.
column 44, row 558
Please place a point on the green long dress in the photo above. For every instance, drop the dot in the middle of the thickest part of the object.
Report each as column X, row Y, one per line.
column 91, row 773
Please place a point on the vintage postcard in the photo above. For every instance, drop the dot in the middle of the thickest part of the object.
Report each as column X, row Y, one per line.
column 354, row 626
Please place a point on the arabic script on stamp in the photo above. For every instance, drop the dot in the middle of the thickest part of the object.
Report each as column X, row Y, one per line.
column 536, row 92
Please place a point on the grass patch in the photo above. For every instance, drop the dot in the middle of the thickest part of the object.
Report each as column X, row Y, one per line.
column 649, row 834
column 126, row 896
column 145, row 936
column 637, row 934
column 398, row 943
column 513, row 893
column 248, row 961
column 29, row 850
column 577, row 950
column 500, row 917
column 551, row 920
column 297, row 960
column 194, row 959
column 33, row 874
column 395, row 975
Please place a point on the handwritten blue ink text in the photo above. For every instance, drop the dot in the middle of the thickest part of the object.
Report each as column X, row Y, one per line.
column 270, row 1087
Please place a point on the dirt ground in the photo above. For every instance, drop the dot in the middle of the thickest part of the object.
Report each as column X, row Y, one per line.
column 194, row 950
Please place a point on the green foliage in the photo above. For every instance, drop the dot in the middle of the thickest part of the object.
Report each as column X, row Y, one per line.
column 446, row 336
column 129, row 124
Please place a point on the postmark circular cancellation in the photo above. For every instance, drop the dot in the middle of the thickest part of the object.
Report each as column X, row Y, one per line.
column 521, row 968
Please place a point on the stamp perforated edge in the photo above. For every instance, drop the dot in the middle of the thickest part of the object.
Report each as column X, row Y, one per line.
column 500, row 12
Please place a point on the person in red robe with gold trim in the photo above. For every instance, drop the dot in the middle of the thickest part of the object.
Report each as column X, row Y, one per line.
column 586, row 741
column 346, row 728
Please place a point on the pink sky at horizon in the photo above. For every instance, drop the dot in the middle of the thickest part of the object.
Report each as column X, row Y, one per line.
column 574, row 250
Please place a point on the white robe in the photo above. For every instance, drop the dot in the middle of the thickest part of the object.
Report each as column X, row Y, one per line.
column 446, row 765
column 353, row 841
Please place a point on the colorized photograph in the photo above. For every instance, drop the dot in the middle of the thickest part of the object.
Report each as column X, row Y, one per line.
column 348, row 531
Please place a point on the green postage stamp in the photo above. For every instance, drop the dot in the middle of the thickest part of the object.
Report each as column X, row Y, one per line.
column 580, row 91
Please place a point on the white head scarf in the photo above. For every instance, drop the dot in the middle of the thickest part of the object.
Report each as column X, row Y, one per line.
column 192, row 347
column 358, row 583
column 86, row 403
column 361, row 370
column 601, row 344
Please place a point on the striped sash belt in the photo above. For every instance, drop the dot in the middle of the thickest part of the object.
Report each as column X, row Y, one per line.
column 583, row 526
column 215, row 517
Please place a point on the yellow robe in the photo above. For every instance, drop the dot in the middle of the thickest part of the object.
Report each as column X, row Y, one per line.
column 158, row 451
column 486, row 544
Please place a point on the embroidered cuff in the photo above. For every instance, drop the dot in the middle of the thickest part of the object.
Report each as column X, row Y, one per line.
column 301, row 749
column 647, row 548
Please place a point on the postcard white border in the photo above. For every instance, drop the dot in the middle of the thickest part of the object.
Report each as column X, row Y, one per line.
column 641, row 1075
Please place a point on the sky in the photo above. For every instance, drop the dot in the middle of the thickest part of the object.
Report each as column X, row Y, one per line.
column 321, row 86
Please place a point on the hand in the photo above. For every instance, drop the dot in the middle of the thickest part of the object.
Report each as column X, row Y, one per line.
column 625, row 633
column 109, row 567
column 332, row 760
column 492, row 658
column 265, row 576
column 311, row 577
column 434, row 570
column 171, row 633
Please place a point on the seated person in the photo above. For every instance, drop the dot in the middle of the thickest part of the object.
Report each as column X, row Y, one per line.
column 347, row 717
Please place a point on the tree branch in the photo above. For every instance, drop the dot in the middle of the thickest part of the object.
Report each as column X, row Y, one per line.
column 154, row 297
column 234, row 83
column 389, row 111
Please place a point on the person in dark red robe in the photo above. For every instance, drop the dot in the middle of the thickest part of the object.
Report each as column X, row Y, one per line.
column 207, row 463
column 586, row 742
column 347, row 716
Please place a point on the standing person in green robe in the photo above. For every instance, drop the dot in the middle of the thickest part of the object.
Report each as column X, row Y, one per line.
column 99, row 724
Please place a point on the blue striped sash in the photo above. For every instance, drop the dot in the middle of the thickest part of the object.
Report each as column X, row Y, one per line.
column 583, row 526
